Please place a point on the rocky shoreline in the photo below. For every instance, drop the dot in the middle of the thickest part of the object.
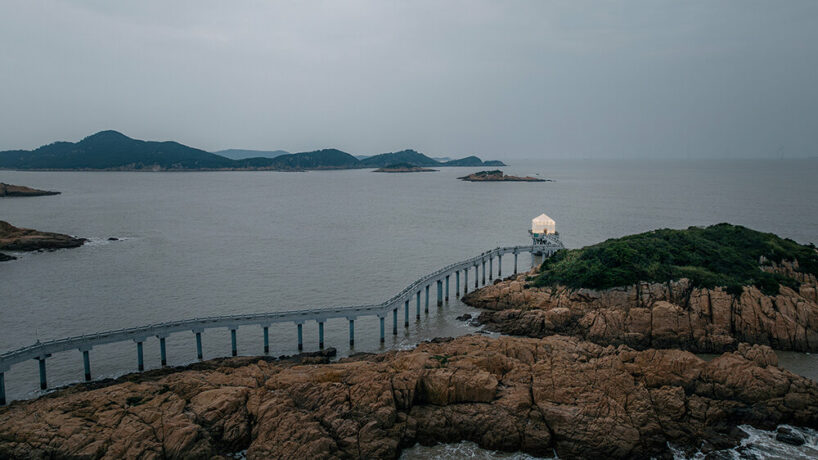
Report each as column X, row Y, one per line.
column 25, row 239
column 540, row 396
column 657, row 315
column 8, row 190
column 403, row 168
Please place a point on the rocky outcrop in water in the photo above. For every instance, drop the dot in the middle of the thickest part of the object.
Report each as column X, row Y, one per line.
column 25, row 239
column 498, row 176
column 533, row 395
column 19, row 190
column 671, row 315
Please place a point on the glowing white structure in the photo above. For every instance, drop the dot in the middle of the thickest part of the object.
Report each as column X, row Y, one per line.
column 544, row 233
column 543, row 224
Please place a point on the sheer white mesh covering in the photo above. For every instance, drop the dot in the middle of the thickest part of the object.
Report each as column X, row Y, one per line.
column 543, row 224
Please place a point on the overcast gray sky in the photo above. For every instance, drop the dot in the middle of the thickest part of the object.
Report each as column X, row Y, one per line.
column 498, row 79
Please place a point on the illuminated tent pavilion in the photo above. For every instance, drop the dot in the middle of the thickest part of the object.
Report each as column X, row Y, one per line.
column 543, row 225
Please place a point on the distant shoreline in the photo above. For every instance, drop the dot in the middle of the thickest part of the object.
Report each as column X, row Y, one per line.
column 114, row 151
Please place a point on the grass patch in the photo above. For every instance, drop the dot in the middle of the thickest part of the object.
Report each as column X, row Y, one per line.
column 442, row 359
column 720, row 255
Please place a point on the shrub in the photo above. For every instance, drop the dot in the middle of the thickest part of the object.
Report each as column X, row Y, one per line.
column 719, row 255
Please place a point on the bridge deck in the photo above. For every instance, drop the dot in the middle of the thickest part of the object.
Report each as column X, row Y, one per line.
column 42, row 350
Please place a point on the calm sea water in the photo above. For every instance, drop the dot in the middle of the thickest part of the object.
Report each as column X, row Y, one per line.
column 212, row 243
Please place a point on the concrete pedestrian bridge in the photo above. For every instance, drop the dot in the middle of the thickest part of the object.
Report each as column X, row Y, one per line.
column 440, row 279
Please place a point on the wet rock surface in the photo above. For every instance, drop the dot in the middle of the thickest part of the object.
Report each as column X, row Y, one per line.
column 533, row 395
column 25, row 239
column 657, row 315
column 788, row 435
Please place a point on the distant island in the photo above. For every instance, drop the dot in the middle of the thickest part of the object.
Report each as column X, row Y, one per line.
column 114, row 151
column 498, row 176
column 8, row 190
column 403, row 168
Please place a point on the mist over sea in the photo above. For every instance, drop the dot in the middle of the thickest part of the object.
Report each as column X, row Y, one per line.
column 214, row 243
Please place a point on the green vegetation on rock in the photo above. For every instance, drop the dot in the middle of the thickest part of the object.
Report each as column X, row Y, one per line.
column 720, row 255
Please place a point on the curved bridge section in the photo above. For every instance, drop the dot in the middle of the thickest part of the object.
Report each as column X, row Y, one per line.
column 440, row 279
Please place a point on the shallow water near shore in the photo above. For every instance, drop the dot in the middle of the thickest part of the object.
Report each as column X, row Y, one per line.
column 215, row 243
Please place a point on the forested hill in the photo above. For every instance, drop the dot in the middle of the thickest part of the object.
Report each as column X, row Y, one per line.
column 111, row 150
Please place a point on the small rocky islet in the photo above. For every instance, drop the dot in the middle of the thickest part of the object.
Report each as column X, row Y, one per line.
column 8, row 190
column 592, row 366
column 25, row 239
column 499, row 176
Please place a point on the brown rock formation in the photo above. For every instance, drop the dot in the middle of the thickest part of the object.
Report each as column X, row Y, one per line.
column 19, row 190
column 534, row 395
column 672, row 315
column 25, row 239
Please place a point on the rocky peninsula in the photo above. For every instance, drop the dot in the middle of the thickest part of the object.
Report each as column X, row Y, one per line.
column 403, row 168
column 544, row 395
column 498, row 176
column 8, row 190
column 25, row 239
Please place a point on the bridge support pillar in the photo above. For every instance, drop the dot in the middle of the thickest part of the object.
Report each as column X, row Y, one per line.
column 491, row 268
column 426, row 305
column 163, row 354
column 417, row 306
column 406, row 313
column 381, row 321
column 233, row 349
column 140, row 357
column 515, row 263
column 351, row 332
column 43, row 382
column 465, row 281
column 484, row 272
column 499, row 265
column 476, row 276
column 2, row 389
column 447, row 288
column 199, row 354
column 266, row 332
column 86, row 364
column 439, row 293
column 321, row 335
column 395, row 321
column 457, row 284
column 300, row 336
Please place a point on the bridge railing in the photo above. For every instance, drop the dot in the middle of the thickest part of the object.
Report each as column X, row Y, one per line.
column 84, row 343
